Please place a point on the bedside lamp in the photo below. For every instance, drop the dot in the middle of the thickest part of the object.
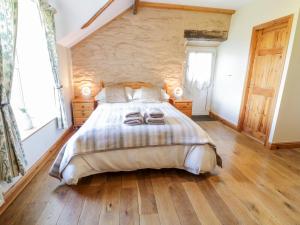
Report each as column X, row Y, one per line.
column 178, row 92
column 86, row 91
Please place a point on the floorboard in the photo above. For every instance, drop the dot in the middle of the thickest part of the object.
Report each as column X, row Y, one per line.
column 255, row 186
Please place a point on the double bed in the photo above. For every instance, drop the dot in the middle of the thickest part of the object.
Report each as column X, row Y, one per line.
column 105, row 144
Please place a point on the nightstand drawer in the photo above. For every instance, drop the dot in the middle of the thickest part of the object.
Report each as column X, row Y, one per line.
column 82, row 109
column 183, row 105
column 82, row 113
column 79, row 121
column 83, row 106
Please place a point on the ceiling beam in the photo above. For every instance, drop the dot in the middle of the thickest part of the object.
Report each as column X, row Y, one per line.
column 206, row 35
column 186, row 7
column 98, row 13
column 135, row 6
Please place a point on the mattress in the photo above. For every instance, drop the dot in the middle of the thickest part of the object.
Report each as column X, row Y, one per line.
column 105, row 144
column 194, row 159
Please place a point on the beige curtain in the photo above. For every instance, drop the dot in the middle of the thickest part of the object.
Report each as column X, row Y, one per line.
column 47, row 17
column 12, row 159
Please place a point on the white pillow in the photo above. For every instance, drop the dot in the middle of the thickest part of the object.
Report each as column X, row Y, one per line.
column 153, row 94
column 101, row 96
column 129, row 93
column 133, row 95
column 146, row 95
column 164, row 96
column 115, row 94
column 137, row 94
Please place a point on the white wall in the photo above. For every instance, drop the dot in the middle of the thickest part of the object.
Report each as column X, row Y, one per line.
column 37, row 144
column 233, row 54
column 287, row 128
column 71, row 16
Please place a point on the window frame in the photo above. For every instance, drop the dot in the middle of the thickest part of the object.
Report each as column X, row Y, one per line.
column 38, row 123
column 201, row 49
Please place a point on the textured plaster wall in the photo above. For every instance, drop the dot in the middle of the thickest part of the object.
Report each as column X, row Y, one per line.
column 146, row 47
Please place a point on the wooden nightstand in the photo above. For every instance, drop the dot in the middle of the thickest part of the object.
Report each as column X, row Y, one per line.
column 184, row 105
column 82, row 109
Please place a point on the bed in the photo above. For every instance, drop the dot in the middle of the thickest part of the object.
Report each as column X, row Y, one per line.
column 105, row 144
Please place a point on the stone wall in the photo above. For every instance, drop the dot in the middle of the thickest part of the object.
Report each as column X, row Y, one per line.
column 149, row 46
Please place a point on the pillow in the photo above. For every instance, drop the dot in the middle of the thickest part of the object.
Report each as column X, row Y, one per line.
column 115, row 94
column 137, row 94
column 101, row 96
column 164, row 96
column 129, row 93
column 149, row 95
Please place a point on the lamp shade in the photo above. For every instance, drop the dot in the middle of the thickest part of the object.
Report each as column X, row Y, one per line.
column 86, row 91
column 178, row 92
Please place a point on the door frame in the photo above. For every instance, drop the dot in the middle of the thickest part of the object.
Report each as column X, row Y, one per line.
column 287, row 19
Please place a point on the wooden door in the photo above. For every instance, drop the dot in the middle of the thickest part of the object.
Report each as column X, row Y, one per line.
column 269, row 44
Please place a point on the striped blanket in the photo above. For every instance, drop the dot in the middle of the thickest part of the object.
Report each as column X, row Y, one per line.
column 105, row 131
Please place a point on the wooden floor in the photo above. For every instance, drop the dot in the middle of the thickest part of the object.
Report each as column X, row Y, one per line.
column 256, row 186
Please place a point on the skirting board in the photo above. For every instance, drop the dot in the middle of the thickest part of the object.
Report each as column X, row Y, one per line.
column 271, row 146
column 283, row 145
column 19, row 186
column 224, row 121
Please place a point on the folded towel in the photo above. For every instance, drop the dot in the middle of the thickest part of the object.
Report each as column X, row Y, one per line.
column 133, row 121
column 153, row 121
column 136, row 112
column 155, row 113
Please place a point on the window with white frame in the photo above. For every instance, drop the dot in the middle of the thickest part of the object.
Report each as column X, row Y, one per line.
column 199, row 67
column 32, row 96
column 199, row 71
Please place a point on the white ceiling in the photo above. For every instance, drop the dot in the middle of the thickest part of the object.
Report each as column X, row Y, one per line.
column 71, row 16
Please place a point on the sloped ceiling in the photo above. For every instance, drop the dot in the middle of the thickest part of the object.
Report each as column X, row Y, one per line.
column 71, row 15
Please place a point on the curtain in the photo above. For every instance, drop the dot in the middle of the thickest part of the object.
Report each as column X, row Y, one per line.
column 12, row 158
column 47, row 16
column 198, row 70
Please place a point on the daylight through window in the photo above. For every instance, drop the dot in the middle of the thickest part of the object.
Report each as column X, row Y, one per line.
column 32, row 96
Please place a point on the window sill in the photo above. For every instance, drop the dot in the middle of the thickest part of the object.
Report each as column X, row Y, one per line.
column 28, row 133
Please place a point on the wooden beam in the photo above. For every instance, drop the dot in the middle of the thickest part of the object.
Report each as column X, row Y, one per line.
column 135, row 6
column 98, row 13
column 213, row 35
column 186, row 7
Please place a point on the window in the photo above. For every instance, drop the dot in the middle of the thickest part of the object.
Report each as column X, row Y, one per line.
column 199, row 67
column 32, row 96
column 200, row 62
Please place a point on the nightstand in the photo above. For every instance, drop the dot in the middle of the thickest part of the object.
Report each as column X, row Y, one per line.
column 82, row 109
column 183, row 105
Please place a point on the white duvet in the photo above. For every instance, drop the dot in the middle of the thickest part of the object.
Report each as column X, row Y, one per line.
column 196, row 158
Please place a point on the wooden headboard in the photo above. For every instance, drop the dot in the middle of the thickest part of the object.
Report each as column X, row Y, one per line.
column 97, row 86
column 135, row 85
